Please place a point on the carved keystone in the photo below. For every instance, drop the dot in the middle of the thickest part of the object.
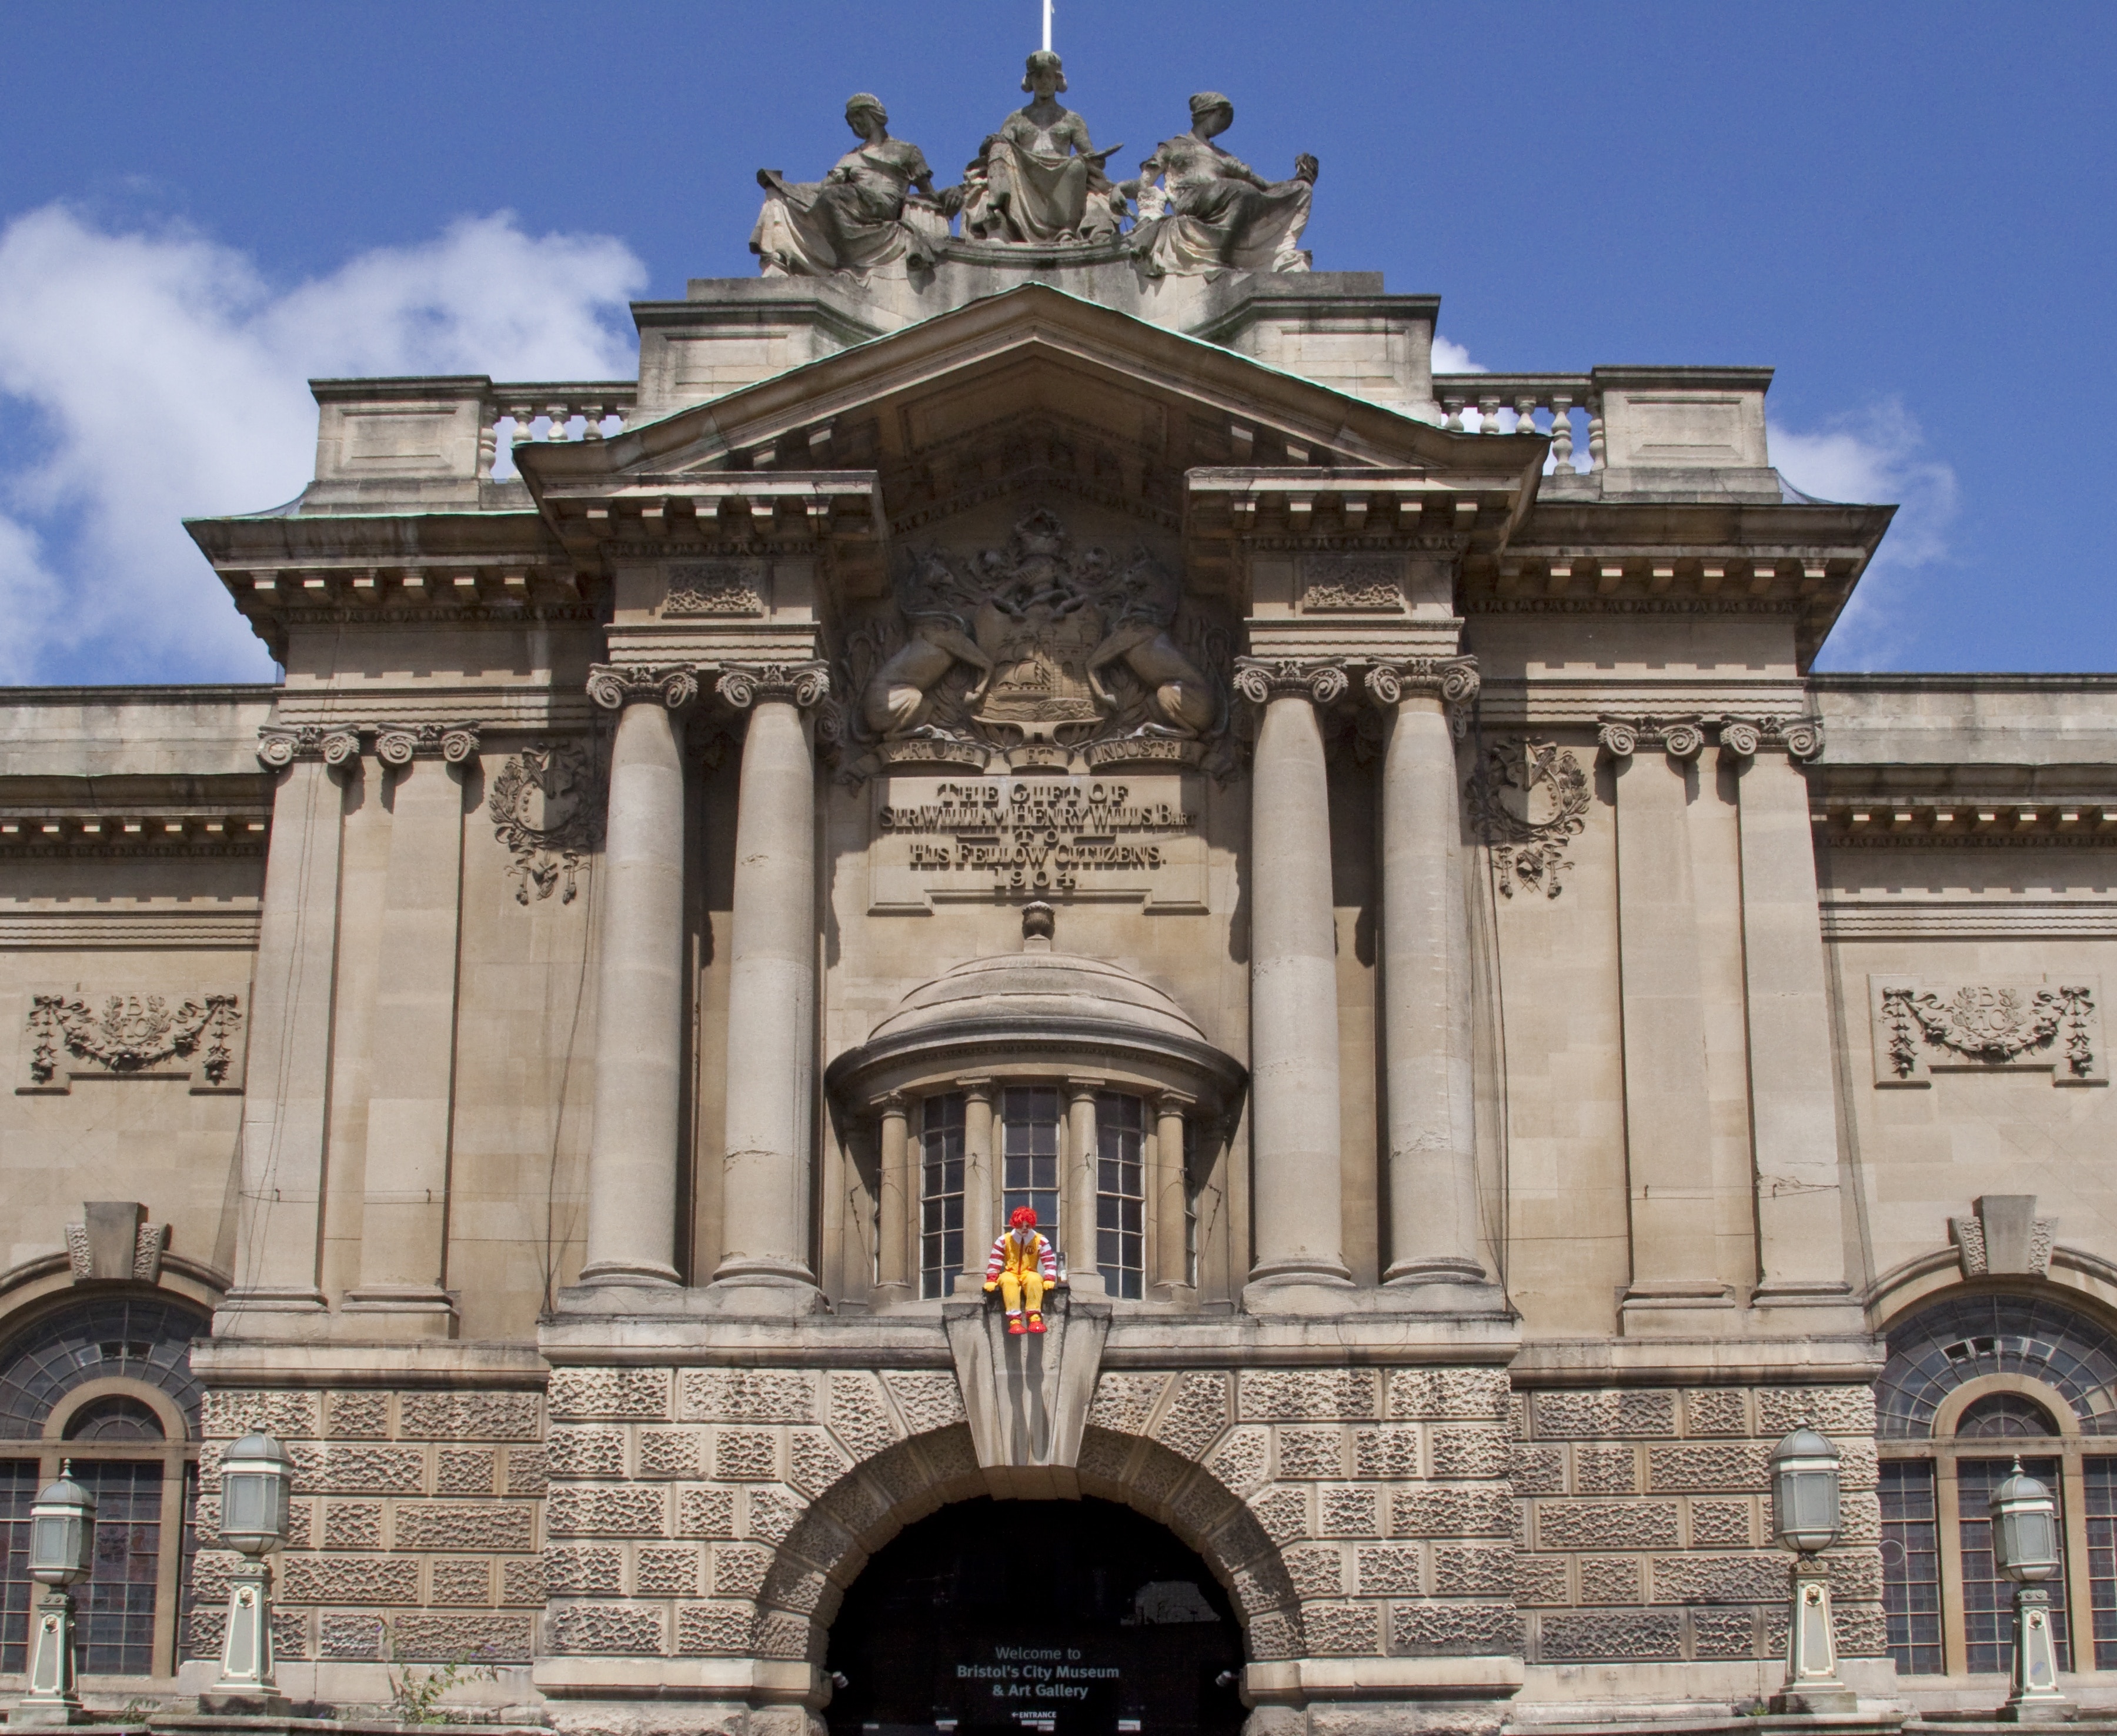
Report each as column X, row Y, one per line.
column 1027, row 1398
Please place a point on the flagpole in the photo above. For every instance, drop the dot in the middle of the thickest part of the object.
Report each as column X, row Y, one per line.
column 1047, row 26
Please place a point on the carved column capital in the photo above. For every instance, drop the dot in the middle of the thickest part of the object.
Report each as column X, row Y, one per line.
column 280, row 746
column 1453, row 679
column 803, row 685
column 1803, row 737
column 398, row 745
column 1680, row 738
column 1320, row 680
column 1740, row 737
column 613, row 687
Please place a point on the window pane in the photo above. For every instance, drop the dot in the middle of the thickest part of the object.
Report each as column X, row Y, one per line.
column 18, row 1489
column 117, row 1621
column 1028, row 1155
column 940, row 1194
column 1911, row 1566
column 2101, row 1478
column 1988, row 1601
column 1120, row 1197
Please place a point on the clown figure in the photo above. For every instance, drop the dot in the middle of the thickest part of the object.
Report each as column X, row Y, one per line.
column 1021, row 1268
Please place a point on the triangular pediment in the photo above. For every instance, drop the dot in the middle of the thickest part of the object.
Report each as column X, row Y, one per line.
column 1030, row 388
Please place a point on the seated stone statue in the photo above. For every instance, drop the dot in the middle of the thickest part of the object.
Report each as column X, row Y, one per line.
column 876, row 207
column 1039, row 178
column 1213, row 210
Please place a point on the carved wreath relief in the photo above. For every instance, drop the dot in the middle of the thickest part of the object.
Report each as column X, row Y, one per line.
column 1919, row 1027
column 1527, row 799
column 543, row 812
column 70, row 1035
column 1039, row 653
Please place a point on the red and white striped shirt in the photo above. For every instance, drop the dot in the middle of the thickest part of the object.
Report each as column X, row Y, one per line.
column 1019, row 1258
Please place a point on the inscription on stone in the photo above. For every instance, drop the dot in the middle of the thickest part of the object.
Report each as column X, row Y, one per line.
column 1123, row 837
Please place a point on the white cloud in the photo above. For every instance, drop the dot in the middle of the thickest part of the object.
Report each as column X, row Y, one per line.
column 164, row 377
column 1875, row 456
column 1451, row 357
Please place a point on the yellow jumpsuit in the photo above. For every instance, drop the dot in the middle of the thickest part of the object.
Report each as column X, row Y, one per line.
column 1021, row 1276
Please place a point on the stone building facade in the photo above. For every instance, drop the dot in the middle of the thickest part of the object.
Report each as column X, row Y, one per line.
column 1498, row 1040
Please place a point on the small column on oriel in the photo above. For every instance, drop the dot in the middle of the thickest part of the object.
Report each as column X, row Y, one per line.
column 1172, row 1195
column 893, row 1181
column 979, row 1192
column 639, row 993
column 1078, row 1198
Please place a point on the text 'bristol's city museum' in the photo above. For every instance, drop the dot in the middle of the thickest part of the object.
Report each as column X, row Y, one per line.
column 1039, row 700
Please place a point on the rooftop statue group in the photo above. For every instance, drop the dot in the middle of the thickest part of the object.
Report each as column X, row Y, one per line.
column 1038, row 181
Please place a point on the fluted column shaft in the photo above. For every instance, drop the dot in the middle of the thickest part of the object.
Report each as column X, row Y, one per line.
column 772, row 991
column 411, row 1101
column 1294, row 987
column 639, row 995
column 1426, row 999
column 1077, row 1208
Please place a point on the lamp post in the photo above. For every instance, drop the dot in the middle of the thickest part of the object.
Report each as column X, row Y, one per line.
column 1805, row 1519
column 2025, row 1550
column 61, row 1553
column 255, row 1475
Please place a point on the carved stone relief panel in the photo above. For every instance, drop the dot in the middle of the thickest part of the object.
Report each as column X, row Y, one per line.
column 2003, row 1236
column 1131, row 836
column 1351, row 583
column 70, row 1034
column 543, row 805
column 1527, row 799
column 708, row 588
column 1041, row 653
column 1922, row 1028
column 114, row 1241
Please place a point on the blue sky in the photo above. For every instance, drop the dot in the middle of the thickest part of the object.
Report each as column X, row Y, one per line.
column 1905, row 209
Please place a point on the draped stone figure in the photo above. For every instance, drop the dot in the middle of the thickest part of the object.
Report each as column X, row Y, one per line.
column 1039, row 178
column 877, row 207
column 1212, row 209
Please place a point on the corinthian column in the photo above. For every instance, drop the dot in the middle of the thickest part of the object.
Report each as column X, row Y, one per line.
column 639, row 984
column 1293, row 987
column 772, row 984
column 1426, row 980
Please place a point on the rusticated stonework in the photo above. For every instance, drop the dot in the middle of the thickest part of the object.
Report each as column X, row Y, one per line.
column 1645, row 1519
column 416, row 1523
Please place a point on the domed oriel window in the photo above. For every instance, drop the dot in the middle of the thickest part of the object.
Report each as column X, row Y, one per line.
column 1971, row 1382
column 1047, row 1079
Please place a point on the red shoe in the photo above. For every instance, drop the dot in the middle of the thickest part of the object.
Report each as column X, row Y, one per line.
column 1037, row 1322
column 1016, row 1328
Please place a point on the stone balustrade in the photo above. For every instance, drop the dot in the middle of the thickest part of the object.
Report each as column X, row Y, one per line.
column 554, row 408
column 1483, row 404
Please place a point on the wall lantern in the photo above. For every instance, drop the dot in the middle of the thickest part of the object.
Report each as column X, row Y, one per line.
column 2025, row 1550
column 256, row 1476
column 62, row 1555
column 1805, row 1518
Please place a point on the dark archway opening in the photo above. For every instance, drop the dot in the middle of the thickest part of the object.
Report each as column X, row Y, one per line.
column 1074, row 1618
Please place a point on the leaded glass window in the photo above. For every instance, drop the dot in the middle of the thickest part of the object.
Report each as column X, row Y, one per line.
column 1988, row 1601
column 940, row 1194
column 143, row 1338
column 1940, row 1348
column 1121, row 1192
column 18, row 1491
column 1030, row 1117
column 1911, row 1566
column 118, row 1613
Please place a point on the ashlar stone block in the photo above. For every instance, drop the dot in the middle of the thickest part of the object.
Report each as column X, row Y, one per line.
column 469, row 1416
column 745, row 1454
column 461, row 1579
column 1708, row 1469
column 586, row 1395
column 522, row 1581
column 814, row 1461
column 495, row 1638
column 1390, row 1450
column 1469, row 1395
column 746, row 1396
column 665, row 1571
column 1610, row 1636
column 1611, row 1579
column 526, row 1471
column 1435, row 1629
column 1724, row 1634
column 705, row 1512
column 1197, row 1414
column 1462, row 1450
column 1720, row 1579
column 1719, row 1525
column 1478, row 1510
column 715, row 1629
column 1316, row 1569
column 1844, row 1410
column 740, row 1568
column 1388, row 1569
column 578, row 1570
column 1473, row 1571
column 925, row 1401
column 1350, row 1511
column 1606, row 1471
column 1716, row 1410
column 1538, row 1470
column 1123, row 1401
column 232, row 1411
column 470, row 1525
column 348, row 1579
column 1540, row 1579
column 465, row 1471
column 670, row 1453
column 1307, row 1395
column 860, row 1413
column 1606, row 1525
column 625, row 1512
column 381, row 1470
column 607, row 1628
column 353, row 1524
column 1343, row 1630
column 1311, row 1452
column 1240, row 1461
column 773, row 1513
column 359, row 1416
column 1602, row 1415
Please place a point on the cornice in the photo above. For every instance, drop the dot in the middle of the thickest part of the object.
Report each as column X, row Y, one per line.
column 146, row 927
column 1967, row 919
column 1856, row 823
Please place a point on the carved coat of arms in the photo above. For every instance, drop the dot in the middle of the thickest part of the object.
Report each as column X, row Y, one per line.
column 543, row 808
column 1041, row 646
column 1529, row 800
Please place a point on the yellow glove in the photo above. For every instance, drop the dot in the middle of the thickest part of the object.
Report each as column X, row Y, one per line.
column 990, row 1288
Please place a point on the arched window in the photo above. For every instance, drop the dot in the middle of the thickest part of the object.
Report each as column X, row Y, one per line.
column 1971, row 1383
column 106, row 1383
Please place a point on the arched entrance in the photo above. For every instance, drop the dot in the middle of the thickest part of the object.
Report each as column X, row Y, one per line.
column 1062, row 1617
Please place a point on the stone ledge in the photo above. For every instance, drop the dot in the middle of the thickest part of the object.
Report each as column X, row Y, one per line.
column 1295, row 1680
column 442, row 1363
